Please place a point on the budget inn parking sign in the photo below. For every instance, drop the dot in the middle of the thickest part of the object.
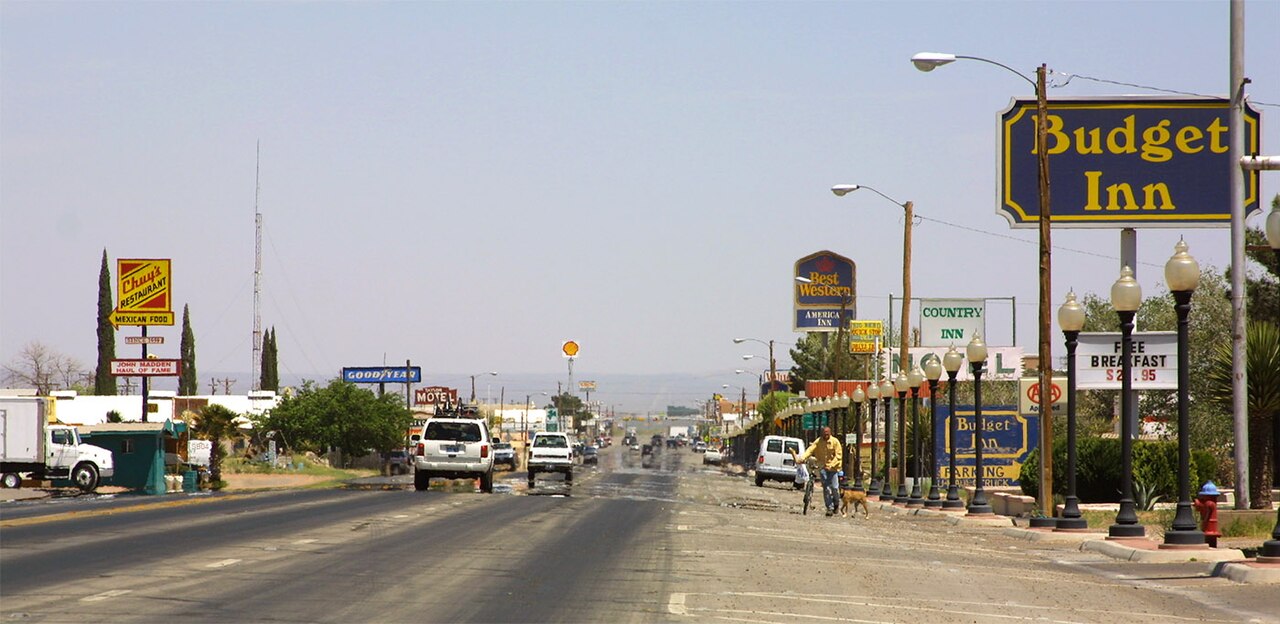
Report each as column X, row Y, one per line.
column 1123, row 162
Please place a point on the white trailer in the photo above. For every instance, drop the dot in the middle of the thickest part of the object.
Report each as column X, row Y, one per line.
column 30, row 444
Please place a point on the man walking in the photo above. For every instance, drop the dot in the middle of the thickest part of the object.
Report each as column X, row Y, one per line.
column 827, row 451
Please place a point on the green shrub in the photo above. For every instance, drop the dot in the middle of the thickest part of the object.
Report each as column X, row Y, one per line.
column 1098, row 465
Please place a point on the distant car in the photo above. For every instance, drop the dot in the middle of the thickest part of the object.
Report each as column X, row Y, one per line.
column 699, row 446
column 634, row 446
column 712, row 456
column 504, row 455
column 401, row 462
column 591, row 455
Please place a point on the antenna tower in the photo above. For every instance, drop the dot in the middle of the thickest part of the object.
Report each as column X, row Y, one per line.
column 254, row 382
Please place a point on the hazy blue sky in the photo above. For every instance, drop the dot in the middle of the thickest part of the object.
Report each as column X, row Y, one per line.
column 469, row 184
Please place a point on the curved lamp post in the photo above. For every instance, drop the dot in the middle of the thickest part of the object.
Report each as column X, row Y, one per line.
column 886, row 399
column 902, row 384
column 859, row 396
column 873, row 393
column 977, row 352
column 1126, row 296
column 473, row 385
column 1182, row 274
column 1270, row 552
column 1071, row 319
column 952, row 362
column 916, row 378
column 933, row 372
column 773, row 366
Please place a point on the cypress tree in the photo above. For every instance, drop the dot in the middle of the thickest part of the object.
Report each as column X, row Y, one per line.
column 270, row 359
column 103, row 381
column 187, row 378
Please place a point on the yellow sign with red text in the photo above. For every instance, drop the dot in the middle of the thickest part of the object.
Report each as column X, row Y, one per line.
column 143, row 295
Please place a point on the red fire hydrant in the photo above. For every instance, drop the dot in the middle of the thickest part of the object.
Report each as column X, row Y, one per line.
column 1207, row 504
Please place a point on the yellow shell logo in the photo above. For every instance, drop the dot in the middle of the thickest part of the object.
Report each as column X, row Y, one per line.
column 570, row 348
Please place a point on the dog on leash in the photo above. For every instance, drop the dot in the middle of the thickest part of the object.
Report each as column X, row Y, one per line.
column 850, row 500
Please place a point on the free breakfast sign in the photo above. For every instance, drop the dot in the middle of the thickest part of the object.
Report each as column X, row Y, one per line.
column 1122, row 162
column 829, row 284
column 1008, row 438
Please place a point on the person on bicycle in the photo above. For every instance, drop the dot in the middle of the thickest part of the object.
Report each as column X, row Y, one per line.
column 827, row 451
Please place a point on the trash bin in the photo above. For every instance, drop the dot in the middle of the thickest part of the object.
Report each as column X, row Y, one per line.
column 190, row 482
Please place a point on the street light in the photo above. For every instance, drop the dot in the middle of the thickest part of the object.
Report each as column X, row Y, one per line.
column 1071, row 319
column 773, row 366
column 873, row 393
column 1270, row 552
column 473, row 385
column 902, row 384
column 933, row 372
column 1126, row 296
column 977, row 353
column 908, row 210
column 886, row 398
column 952, row 361
column 858, row 397
column 926, row 62
column 915, row 378
column 1182, row 274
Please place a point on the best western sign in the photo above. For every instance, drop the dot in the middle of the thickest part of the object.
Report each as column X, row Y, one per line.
column 1125, row 162
column 945, row 322
column 830, row 285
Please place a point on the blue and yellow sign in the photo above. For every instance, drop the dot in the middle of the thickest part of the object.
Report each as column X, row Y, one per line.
column 1125, row 162
column 1008, row 438
column 825, row 283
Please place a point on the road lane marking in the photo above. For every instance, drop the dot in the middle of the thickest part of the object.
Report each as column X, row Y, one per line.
column 105, row 595
column 675, row 605
column 224, row 563
column 306, row 541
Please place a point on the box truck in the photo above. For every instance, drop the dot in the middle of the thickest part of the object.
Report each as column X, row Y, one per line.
column 30, row 444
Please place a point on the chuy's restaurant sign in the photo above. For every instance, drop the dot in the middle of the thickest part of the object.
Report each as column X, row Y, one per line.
column 829, row 283
column 1124, row 162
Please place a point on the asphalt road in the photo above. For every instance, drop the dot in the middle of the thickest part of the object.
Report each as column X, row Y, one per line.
column 673, row 541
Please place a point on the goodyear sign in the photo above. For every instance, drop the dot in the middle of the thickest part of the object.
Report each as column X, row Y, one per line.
column 1124, row 162
column 143, row 293
column 1007, row 439
column 382, row 374
column 828, row 285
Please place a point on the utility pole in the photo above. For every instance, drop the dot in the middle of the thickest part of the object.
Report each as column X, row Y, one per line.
column 213, row 385
column 227, row 382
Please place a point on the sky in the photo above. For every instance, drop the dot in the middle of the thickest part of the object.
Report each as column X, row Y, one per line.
column 467, row 185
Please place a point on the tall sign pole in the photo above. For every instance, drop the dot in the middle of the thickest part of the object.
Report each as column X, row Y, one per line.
column 1046, row 313
column 1235, row 150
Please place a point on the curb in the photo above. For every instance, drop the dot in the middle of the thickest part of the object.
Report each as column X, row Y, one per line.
column 1038, row 535
column 1249, row 572
column 988, row 521
column 1151, row 554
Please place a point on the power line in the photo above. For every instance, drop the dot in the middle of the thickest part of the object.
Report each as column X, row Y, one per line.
column 1026, row 241
column 1149, row 88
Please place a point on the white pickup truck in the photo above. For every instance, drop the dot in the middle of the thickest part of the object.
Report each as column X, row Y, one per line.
column 30, row 444
column 550, row 452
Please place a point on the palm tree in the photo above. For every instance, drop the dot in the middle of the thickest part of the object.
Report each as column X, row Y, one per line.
column 215, row 423
column 1262, row 361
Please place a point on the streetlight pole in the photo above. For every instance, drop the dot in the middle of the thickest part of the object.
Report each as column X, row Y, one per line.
column 872, row 393
column 473, row 385
column 773, row 364
column 1126, row 296
column 902, row 384
column 933, row 372
column 927, row 61
column 952, row 361
column 886, row 398
column 915, row 378
column 977, row 352
column 1071, row 318
column 858, row 397
column 1182, row 274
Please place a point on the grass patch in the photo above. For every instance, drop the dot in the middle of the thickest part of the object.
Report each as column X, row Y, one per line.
column 239, row 465
column 1250, row 526
column 1157, row 521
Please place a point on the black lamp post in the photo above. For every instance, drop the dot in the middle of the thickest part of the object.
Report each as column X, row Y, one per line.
column 1270, row 552
column 1182, row 274
column 977, row 352
column 902, row 384
column 1126, row 296
column 886, row 398
column 952, row 362
column 916, row 378
column 858, row 397
column 1071, row 319
column 873, row 393
column 933, row 372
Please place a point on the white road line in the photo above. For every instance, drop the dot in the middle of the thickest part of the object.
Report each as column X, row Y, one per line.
column 399, row 516
column 675, row 605
column 106, row 594
column 224, row 563
column 306, row 541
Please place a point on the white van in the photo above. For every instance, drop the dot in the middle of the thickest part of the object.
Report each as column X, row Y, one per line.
column 775, row 462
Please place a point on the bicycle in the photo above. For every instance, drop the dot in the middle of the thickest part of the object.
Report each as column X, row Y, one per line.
column 808, row 490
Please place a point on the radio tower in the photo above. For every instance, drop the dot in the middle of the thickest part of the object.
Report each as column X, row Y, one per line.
column 254, row 382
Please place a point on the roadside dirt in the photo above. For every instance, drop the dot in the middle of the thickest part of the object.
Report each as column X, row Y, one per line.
column 250, row 481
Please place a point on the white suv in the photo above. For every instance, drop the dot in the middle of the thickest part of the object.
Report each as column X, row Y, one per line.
column 454, row 448
column 550, row 452
column 775, row 462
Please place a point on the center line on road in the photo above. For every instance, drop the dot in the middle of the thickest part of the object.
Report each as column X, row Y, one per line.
column 675, row 605
column 106, row 594
column 224, row 563
column 306, row 541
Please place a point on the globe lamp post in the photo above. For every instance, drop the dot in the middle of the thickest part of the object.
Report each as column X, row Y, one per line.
column 933, row 372
column 916, row 378
column 873, row 393
column 1182, row 274
column 858, row 397
column 886, row 401
column 977, row 353
column 1126, row 296
column 952, row 362
column 1071, row 319
column 902, row 384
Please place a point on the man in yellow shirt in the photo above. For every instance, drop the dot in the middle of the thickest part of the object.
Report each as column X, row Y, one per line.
column 826, row 450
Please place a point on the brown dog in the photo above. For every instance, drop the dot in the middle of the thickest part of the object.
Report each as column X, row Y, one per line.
column 854, row 498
